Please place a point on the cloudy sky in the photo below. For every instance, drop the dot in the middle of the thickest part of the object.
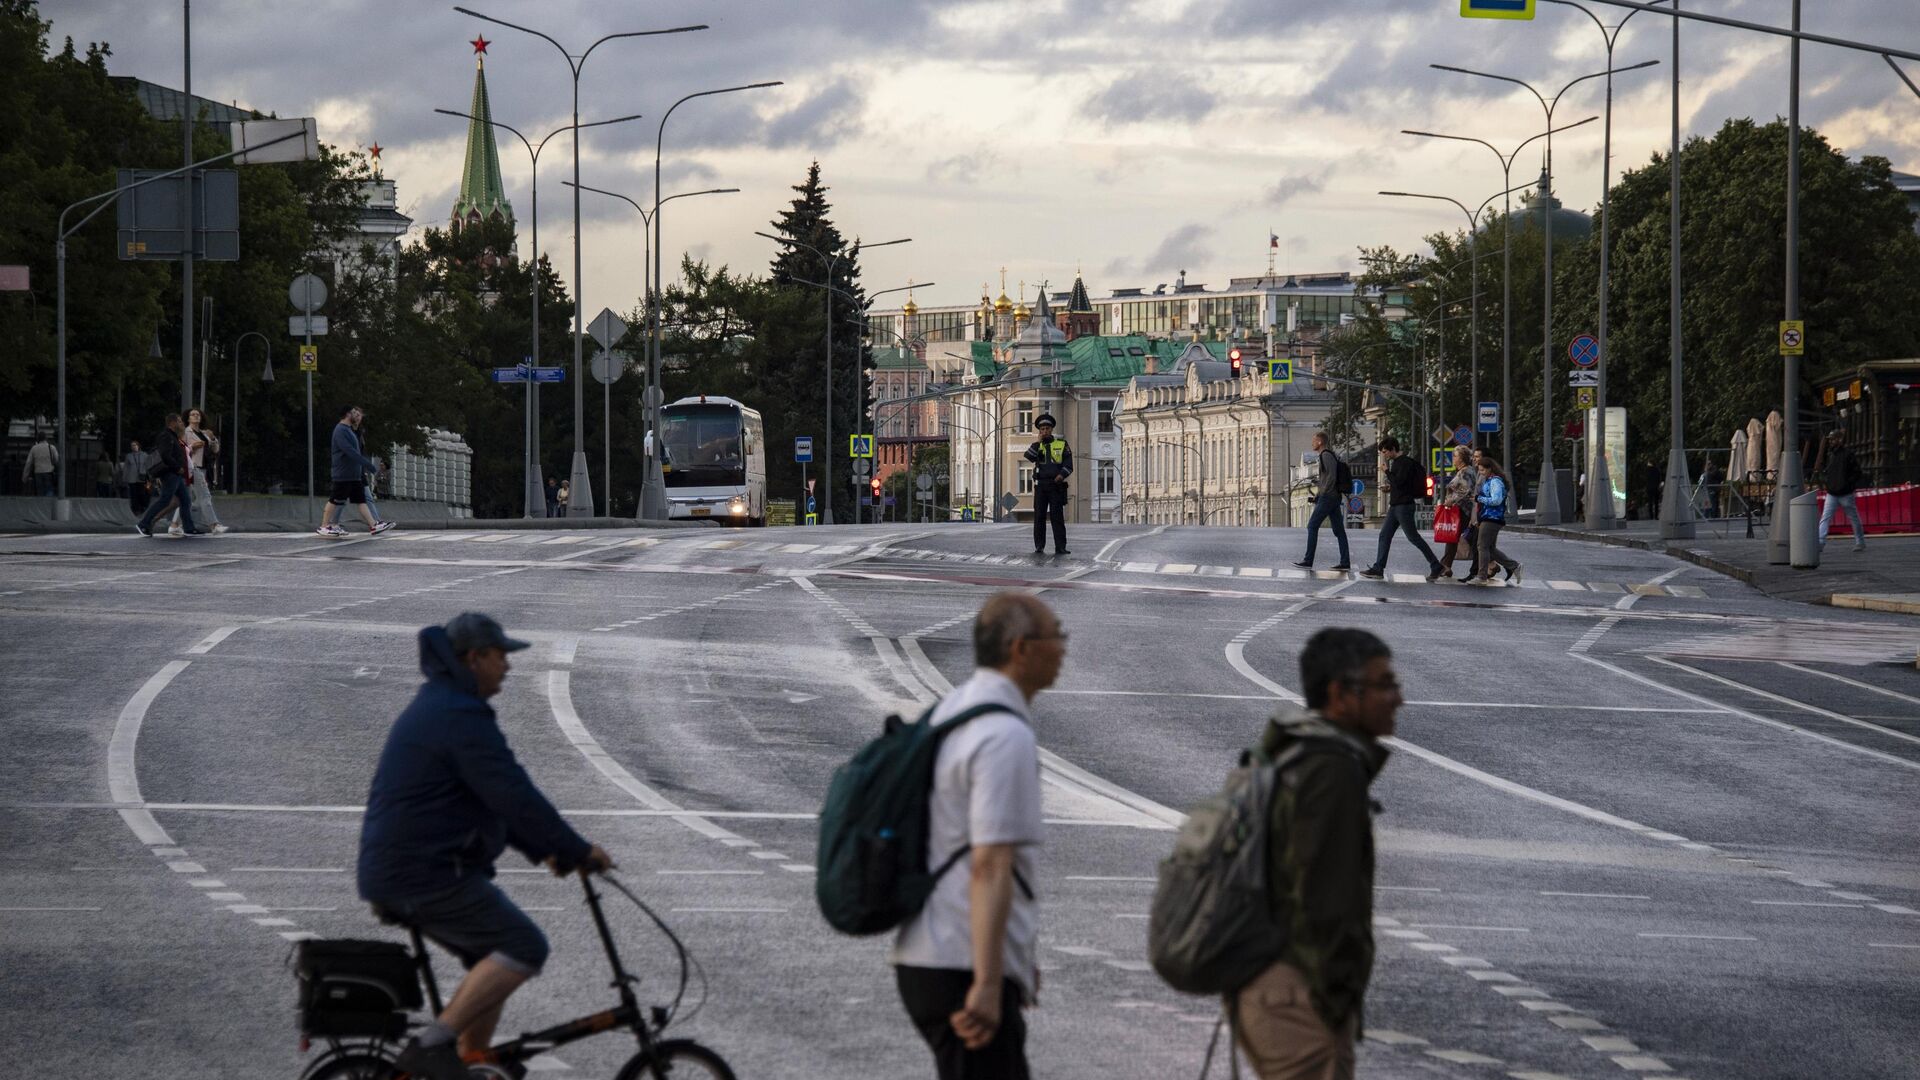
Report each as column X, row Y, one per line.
column 1134, row 138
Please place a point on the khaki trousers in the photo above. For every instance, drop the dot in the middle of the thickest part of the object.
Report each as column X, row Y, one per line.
column 1284, row 1038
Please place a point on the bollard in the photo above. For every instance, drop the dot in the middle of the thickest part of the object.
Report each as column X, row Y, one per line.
column 1803, row 532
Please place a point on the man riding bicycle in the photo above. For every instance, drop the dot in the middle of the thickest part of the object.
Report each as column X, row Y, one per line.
column 447, row 798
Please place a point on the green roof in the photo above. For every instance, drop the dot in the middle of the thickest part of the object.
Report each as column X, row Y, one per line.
column 481, row 191
column 1093, row 358
column 896, row 360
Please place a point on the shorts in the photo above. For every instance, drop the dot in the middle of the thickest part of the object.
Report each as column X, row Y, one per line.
column 474, row 920
column 348, row 491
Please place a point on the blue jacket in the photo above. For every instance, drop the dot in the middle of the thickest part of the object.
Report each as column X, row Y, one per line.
column 349, row 463
column 448, row 796
column 1493, row 499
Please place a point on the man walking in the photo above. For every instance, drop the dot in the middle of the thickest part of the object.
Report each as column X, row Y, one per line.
column 447, row 799
column 171, row 470
column 350, row 468
column 1840, row 472
column 133, row 473
column 1406, row 482
column 42, row 463
column 1299, row 1018
column 965, row 965
column 1052, row 464
column 1326, row 504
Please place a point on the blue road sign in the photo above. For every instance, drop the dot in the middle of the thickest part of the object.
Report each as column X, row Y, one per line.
column 1496, row 9
column 803, row 448
column 1462, row 435
column 1584, row 350
column 810, row 505
column 966, row 513
column 549, row 374
column 1359, row 487
column 1489, row 416
column 860, row 446
column 509, row 375
column 1279, row 371
column 1356, row 505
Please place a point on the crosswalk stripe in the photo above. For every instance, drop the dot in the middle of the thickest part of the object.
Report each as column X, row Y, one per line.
column 1694, row 592
column 1567, row 586
column 796, row 549
column 489, row 538
column 1649, row 590
column 1140, row 567
column 562, row 540
column 1177, row 568
column 1246, row 571
column 1606, row 587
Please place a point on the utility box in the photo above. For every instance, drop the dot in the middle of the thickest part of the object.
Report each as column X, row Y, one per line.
column 1803, row 532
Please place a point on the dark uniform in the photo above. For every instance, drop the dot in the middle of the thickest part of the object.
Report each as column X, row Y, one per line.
column 1052, row 465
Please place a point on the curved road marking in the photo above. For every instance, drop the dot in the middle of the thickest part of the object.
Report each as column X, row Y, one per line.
column 123, row 779
column 1781, row 725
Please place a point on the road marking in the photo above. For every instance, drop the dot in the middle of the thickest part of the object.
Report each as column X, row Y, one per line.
column 1576, row 1023
column 123, row 780
column 1492, row 976
column 1853, row 896
column 1432, row 946
column 711, row 873
column 560, row 700
column 730, row 910
column 1615, row 1044
column 1651, row 588
column 1815, row 709
column 1463, row 1057
column 1641, row 1063
column 1769, row 722
column 1489, row 929
column 47, row 909
column 1465, row 961
column 1804, row 903
column 207, row 643
column 1598, row 895
column 1698, row 937
column 1566, row 586
column 1851, row 682
column 1896, row 909
column 1889, row 945
column 1593, row 636
column 1405, row 888
column 1088, row 877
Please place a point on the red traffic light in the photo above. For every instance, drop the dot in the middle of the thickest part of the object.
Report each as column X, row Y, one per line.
column 1429, row 485
column 876, row 487
column 1233, row 357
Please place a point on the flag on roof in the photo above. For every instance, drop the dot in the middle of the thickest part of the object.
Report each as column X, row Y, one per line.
column 1273, row 240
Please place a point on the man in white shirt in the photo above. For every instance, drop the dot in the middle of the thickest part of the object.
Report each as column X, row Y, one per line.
column 965, row 964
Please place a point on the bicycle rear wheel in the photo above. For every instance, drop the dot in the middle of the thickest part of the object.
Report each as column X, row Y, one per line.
column 680, row 1059
column 350, row 1066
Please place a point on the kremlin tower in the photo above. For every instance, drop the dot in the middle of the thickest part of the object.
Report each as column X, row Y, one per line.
column 482, row 196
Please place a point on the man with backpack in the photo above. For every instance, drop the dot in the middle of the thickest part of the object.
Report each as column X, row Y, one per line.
column 1406, row 483
column 1330, row 487
column 965, row 963
column 1284, row 929
column 1841, row 472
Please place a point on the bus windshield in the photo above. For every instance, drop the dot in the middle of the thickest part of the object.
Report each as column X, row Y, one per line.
column 702, row 446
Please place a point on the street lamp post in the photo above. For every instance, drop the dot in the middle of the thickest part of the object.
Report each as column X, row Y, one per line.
column 866, row 328
column 646, row 293
column 535, row 498
column 1546, row 507
column 233, row 474
column 1788, row 481
column 653, row 487
column 832, row 261
column 580, row 503
column 1506, row 269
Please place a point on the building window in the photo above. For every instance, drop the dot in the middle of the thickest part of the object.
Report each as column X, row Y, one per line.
column 1025, row 481
column 1023, row 417
column 1107, row 478
column 1103, row 417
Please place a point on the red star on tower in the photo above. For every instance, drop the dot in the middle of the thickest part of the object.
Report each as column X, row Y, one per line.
column 480, row 45
column 375, row 151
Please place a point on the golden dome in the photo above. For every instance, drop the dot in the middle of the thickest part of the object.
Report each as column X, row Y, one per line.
column 910, row 309
column 1022, row 311
column 1003, row 304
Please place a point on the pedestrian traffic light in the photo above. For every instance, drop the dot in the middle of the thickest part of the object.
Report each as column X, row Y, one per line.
column 875, row 485
column 1429, row 485
column 1233, row 357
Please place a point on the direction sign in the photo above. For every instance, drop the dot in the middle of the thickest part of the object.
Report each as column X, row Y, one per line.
column 1279, row 371
column 509, row 375
column 1489, row 416
column 803, row 449
column 1583, row 396
column 308, row 293
column 549, row 374
column 811, row 505
column 607, row 328
column 1584, row 350
column 1583, row 378
column 1462, row 435
column 860, row 446
column 1359, row 487
column 1793, row 337
column 1496, row 9
column 306, row 325
column 309, row 358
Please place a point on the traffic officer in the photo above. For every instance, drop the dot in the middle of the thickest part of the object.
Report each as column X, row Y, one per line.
column 1052, row 464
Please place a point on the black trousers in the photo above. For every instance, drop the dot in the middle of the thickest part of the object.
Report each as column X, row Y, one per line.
column 1050, row 504
column 933, row 995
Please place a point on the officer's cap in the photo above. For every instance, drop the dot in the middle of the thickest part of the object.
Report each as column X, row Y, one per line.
column 1044, row 418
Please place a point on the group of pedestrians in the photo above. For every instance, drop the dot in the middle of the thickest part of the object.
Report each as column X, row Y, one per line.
column 448, row 798
column 1477, row 490
column 173, row 478
column 559, row 496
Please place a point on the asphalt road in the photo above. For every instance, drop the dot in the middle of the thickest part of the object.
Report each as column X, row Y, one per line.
column 1640, row 819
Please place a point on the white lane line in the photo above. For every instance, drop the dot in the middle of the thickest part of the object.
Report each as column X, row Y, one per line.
column 1113, row 545
column 1896, row 909
column 1626, row 602
column 1463, row 1057
column 1094, row 877
column 1852, row 682
column 1489, row 929
column 1597, row 895
column 1803, row 903
column 207, row 643
column 1641, row 1063
column 1593, row 636
column 730, row 910
column 1780, row 725
column 24, row 910
column 560, row 700
column 1889, row 945
column 1698, row 937
column 123, row 779
column 1815, row 709
column 1404, row 888
column 711, row 873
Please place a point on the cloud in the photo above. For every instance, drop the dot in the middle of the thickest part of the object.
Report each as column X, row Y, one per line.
column 963, row 170
column 825, row 119
column 1188, row 245
column 1288, row 188
column 1150, row 96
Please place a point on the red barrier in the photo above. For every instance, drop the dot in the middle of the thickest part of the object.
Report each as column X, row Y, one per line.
column 1882, row 510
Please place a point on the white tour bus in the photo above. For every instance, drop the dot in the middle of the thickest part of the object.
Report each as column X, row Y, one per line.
column 715, row 460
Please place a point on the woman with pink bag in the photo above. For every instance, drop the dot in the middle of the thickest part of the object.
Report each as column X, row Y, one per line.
column 1459, row 497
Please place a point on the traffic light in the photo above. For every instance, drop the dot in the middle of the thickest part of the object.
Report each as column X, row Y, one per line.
column 1430, row 485
column 875, row 485
column 1233, row 357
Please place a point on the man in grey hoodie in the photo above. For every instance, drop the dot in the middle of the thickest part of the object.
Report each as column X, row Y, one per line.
column 1326, row 504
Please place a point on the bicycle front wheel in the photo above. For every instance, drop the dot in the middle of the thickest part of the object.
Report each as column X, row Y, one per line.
column 680, row 1059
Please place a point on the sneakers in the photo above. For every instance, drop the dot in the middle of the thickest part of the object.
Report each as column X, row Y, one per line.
column 1438, row 573
column 1372, row 572
column 440, row 1062
column 143, row 530
column 1859, row 547
column 217, row 529
column 1304, row 564
column 175, row 530
column 379, row 527
column 1340, row 566
column 331, row 532
column 1513, row 573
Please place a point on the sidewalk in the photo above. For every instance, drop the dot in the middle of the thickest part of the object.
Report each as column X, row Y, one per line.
column 1885, row 577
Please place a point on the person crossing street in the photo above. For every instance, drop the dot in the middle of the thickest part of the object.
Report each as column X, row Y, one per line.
column 1052, row 464
column 1405, row 481
column 1327, row 494
column 350, row 468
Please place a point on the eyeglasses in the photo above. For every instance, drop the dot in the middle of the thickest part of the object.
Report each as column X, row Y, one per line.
column 1059, row 636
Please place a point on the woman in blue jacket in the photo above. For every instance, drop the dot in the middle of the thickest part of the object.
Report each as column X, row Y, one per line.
column 1490, row 511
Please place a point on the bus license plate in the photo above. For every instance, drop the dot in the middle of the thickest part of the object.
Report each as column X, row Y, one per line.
column 702, row 511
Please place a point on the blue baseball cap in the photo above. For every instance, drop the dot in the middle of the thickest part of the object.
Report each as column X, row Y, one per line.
column 471, row 630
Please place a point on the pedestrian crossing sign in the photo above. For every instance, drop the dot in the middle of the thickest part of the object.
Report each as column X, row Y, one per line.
column 309, row 358
column 1442, row 459
column 1279, row 371
column 860, row 446
column 1496, row 9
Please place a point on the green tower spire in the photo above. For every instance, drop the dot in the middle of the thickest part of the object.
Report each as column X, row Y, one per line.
column 482, row 195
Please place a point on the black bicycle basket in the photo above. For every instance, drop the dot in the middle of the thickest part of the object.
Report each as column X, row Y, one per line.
column 354, row 988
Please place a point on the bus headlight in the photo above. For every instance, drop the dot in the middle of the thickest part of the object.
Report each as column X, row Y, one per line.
column 737, row 506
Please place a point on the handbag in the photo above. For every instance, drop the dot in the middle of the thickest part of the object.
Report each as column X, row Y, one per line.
column 1446, row 525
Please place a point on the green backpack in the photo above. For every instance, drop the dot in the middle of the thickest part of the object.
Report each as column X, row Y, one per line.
column 871, row 868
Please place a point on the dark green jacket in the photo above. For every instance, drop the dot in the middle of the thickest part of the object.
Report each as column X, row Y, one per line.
column 1322, row 862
